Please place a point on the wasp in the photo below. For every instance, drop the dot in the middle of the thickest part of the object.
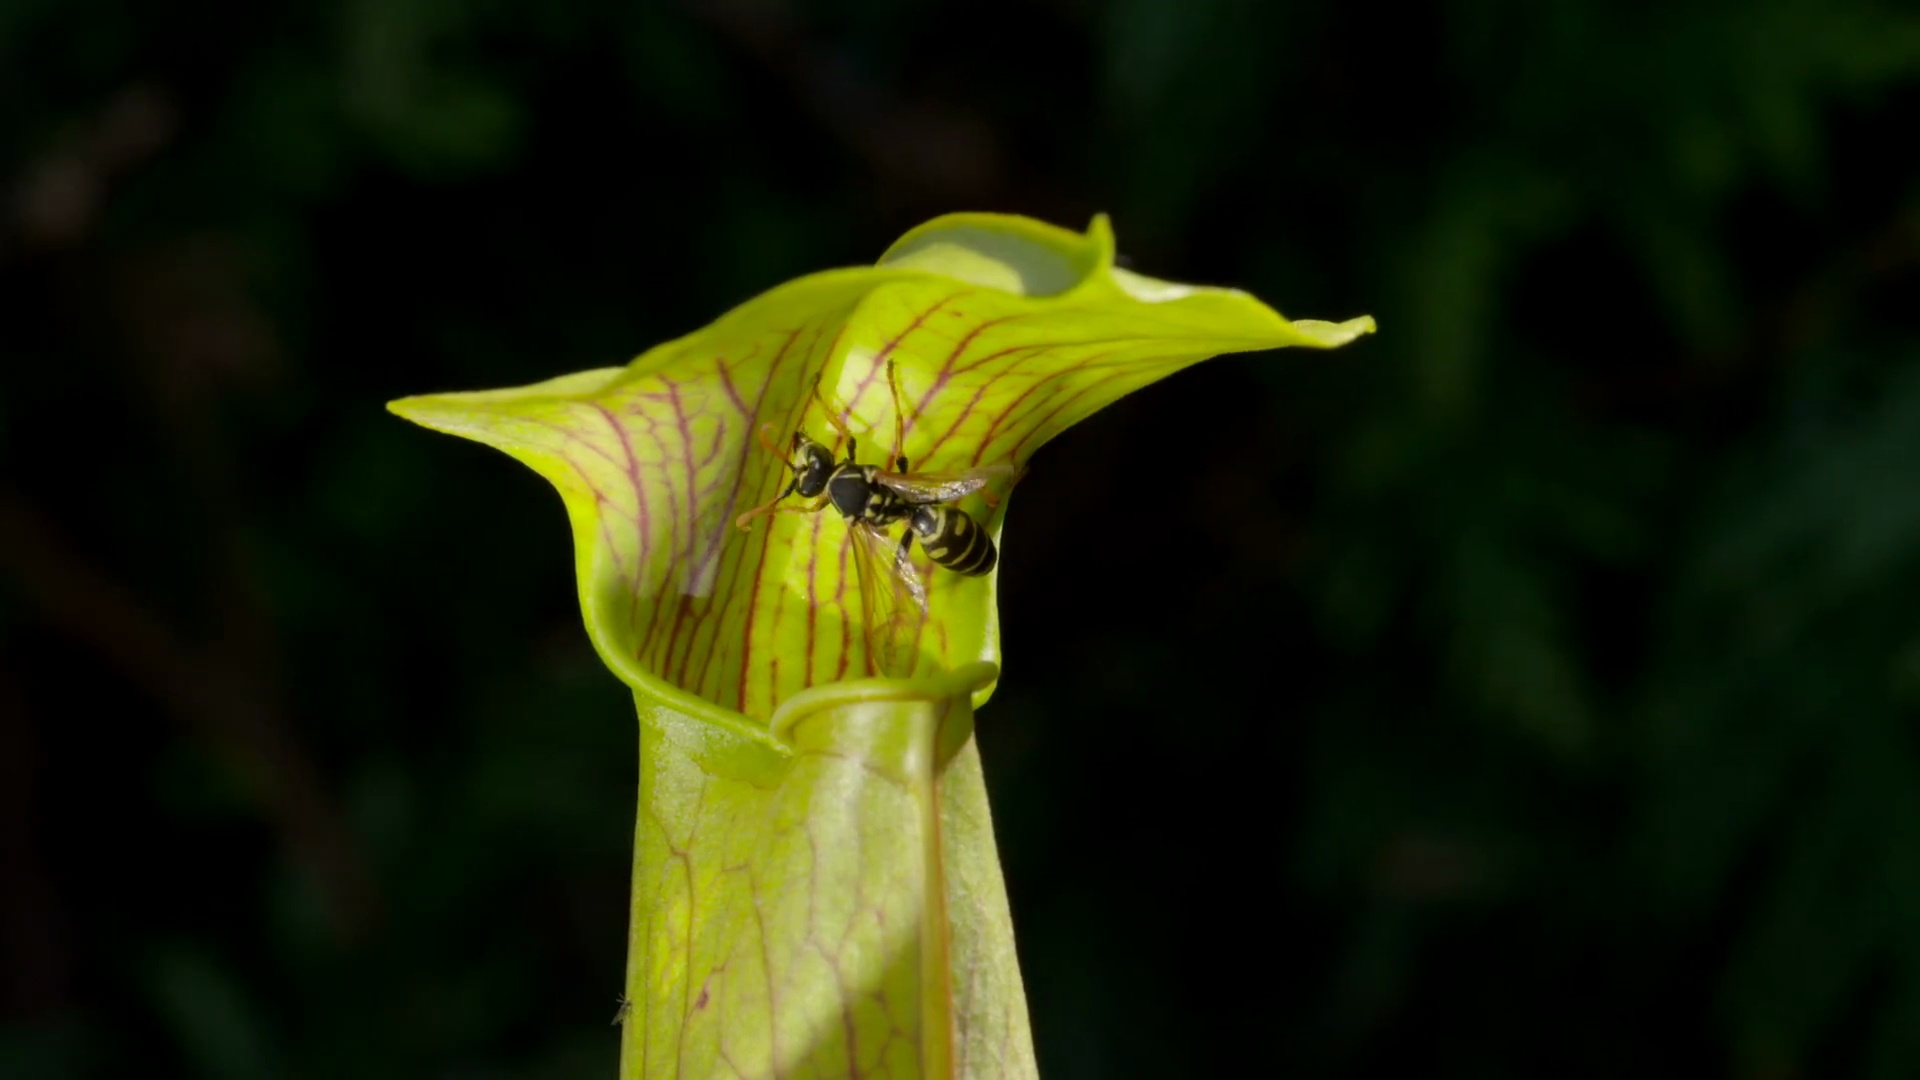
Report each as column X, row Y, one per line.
column 873, row 500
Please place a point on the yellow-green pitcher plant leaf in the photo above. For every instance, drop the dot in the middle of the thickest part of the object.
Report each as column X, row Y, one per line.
column 1003, row 333
column 804, row 747
column 834, row 911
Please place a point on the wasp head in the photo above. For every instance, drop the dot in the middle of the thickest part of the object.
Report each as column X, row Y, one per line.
column 811, row 464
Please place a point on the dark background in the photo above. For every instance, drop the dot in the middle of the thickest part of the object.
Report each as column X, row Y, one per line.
column 1532, row 689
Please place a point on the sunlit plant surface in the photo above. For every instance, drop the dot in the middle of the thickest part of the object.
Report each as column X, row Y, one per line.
column 815, row 885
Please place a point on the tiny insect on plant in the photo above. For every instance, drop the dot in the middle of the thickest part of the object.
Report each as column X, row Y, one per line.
column 873, row 499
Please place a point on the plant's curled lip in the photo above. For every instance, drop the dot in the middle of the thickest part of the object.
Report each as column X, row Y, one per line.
column 1005, row 331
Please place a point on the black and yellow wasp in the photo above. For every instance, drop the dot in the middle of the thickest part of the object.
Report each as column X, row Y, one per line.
column 873, row 500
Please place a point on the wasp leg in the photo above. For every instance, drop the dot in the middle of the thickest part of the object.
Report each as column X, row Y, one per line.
column 741, row 521
column 745, row 521
column 899, row 417
column 766, row 440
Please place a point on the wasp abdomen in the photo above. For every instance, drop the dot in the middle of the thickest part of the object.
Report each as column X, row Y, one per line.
column 954, row 540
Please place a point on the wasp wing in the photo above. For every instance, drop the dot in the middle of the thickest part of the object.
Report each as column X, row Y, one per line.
column 892, row 598
column 941, row 487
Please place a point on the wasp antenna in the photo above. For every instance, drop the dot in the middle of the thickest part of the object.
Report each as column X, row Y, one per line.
column 745, row 521
column 834, row 412
column 766, row 440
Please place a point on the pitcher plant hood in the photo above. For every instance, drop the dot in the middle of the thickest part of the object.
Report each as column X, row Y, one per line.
column 1002, row 331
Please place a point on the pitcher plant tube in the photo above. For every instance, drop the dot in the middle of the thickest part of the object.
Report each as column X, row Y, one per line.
column 816, row 890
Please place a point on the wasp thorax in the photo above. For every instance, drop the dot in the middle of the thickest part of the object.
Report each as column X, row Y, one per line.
column 851, row 491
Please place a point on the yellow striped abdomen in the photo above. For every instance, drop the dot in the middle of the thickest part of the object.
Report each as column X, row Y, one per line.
column 954, row 540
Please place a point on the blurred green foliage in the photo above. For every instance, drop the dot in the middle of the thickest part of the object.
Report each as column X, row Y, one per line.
column 1557, row 646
